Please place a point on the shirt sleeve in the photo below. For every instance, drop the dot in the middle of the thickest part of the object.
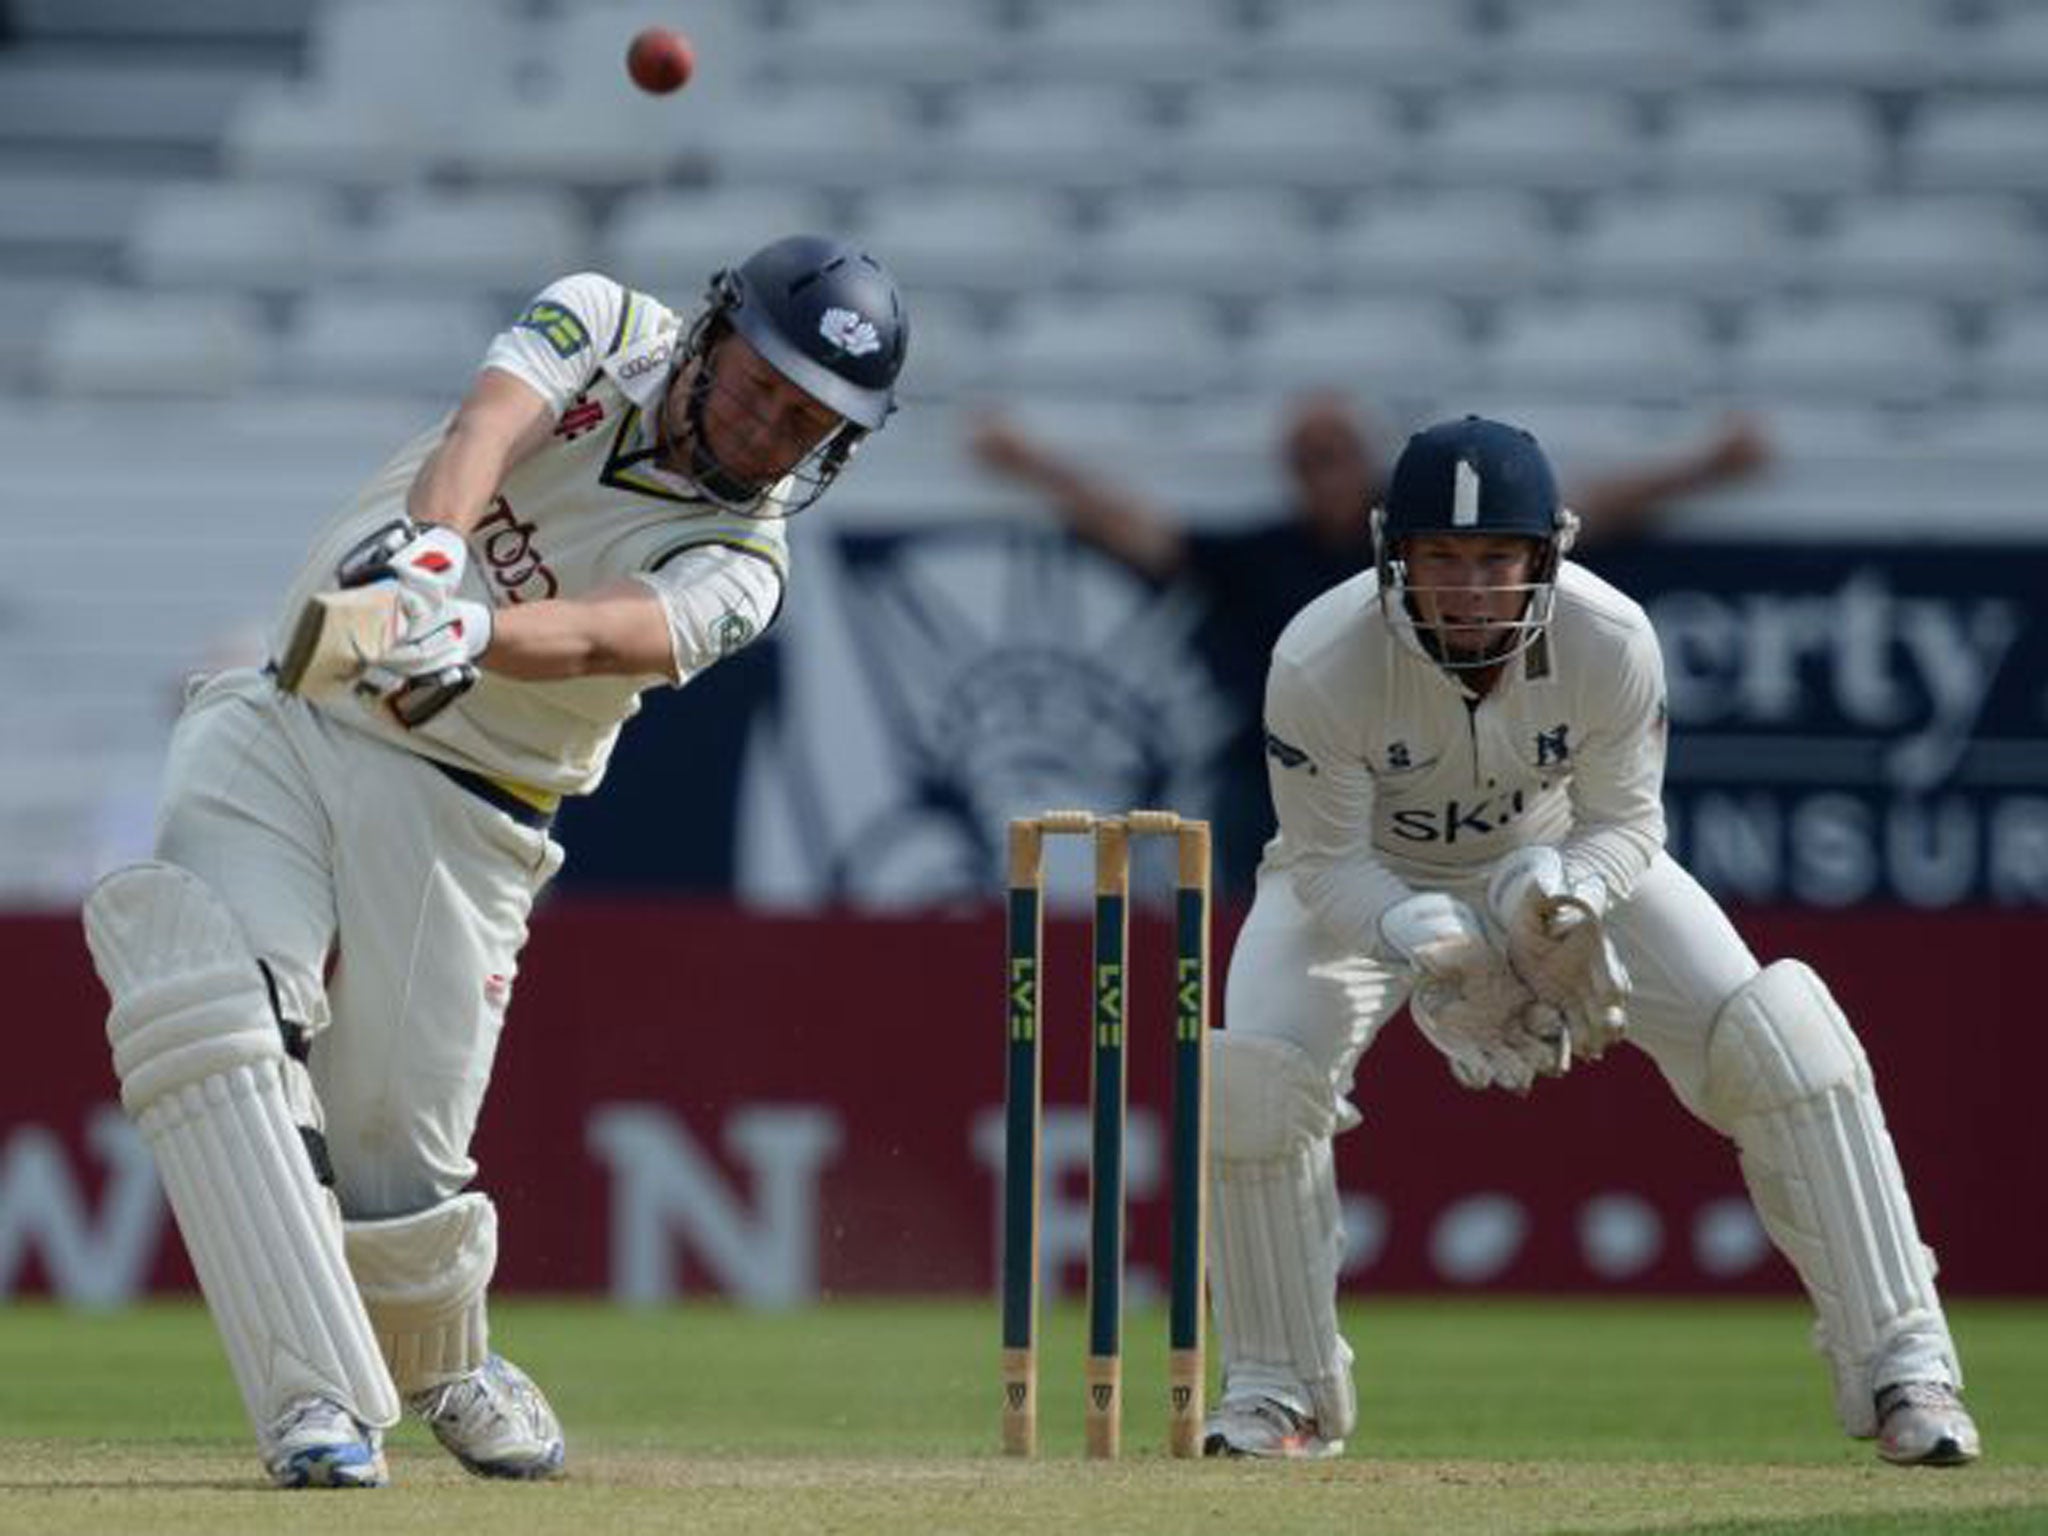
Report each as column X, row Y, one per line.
column 1323, row 800
column 558, row 340
column 718, row 599
column 1617, row 783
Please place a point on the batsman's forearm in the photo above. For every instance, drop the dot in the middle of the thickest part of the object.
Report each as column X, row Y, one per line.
column 456, row 485
column 616, row 633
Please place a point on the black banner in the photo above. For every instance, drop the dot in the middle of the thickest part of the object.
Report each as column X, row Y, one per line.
column 1854, row 725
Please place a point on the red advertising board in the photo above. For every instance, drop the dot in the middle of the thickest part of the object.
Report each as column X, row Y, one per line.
column 693, row 1099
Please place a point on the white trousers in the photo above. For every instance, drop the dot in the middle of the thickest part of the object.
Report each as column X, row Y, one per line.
column 390, row 904
column 1290, row 981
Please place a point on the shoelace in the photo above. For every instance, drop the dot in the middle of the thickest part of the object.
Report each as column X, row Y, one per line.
column 1914, row 1394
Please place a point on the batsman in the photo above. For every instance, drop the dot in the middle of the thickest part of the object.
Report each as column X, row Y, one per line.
column 310, row 978
column 1466, row 750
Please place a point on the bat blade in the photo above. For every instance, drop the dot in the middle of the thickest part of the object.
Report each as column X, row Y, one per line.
column 336, row 635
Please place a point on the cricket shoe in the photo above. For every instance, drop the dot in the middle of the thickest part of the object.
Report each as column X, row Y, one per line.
column 317, row 1443
column 1924, row 1424
column 494, row 1421
column 1262, row 1427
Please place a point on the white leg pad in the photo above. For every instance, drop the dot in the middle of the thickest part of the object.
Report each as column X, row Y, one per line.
column 1275, row 1236
column 201, row 1064
column 1787, row 1079
column 424, row 1278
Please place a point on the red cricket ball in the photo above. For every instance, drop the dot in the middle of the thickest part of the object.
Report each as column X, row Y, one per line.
column 660, row 60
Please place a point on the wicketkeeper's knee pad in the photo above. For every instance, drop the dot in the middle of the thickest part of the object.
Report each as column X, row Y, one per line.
column 424, row 1279
column 1267, row 1098
column 201, row 1054
column 1787, row 1079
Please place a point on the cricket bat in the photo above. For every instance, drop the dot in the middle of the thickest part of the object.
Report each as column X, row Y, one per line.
column 336, row 635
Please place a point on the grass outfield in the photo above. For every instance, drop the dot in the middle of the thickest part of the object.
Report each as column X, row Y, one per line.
column 1490, row 1417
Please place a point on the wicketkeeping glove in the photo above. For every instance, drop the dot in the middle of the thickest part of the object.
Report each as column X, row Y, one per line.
column 1467, row 1001
column 1557, row 944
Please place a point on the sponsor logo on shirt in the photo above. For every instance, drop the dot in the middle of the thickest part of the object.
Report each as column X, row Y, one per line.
column 646, row 362
column 581, row 416
column 554, row 325
column 1457, row 819
column 1285, row 755
column 511, row 556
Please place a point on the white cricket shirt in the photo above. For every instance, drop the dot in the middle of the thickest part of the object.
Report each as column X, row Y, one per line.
column 1390, row 777
column 588, row 508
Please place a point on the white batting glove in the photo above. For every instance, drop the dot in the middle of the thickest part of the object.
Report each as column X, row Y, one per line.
column 433, row 663
column 1557, row 944
column 1467, row 1001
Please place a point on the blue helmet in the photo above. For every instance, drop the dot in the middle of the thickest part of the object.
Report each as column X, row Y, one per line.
column 826, row 316
column 1473, row 476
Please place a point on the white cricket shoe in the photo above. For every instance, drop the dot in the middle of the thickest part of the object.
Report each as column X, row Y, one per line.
column 317, row 1443
column 1924, row 1424
column 1260, row 1426
column 494, row 1421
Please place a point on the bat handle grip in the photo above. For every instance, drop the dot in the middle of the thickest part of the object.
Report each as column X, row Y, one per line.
column 424, row 697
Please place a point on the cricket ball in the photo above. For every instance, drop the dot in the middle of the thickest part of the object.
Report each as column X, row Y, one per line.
column 660, row 60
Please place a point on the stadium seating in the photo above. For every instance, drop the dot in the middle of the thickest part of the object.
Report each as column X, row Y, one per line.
column 287, row 228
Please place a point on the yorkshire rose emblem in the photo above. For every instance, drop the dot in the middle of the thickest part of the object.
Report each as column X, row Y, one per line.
column 848, row 332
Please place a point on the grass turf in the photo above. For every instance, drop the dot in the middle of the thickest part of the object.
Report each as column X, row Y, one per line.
column 1501, row 1417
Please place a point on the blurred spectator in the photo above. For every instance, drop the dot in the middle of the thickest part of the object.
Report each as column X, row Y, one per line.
column 1256, row 577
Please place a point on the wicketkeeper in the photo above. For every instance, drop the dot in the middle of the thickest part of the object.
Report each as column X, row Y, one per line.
column 309, row 982
column 1466, row 751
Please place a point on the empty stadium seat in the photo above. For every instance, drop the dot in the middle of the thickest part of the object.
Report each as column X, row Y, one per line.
column 1852, row 44
column 1130, row 42
column 1382, row 345
column 1633, row 44
column 167, row 345
column 823, row 137
column 1470, row 244
column 1645, row 351
column 1954, row 247
column 1268, row 133
column 1053, row 135
column 1872, row 350
column 2012, row 360
column 1968, row 144
column 370, row 340
column 505, row 240
column 573, row 116
column 1236, row 241
column 1414, row 44
column 2008, row 50
column 906, row 42
column 1160, row 346
column 974, row 238
column 670, row 242
column 1543, row 139
column 1776, row 143
column 235, row 234
column 289, row 129
column 1703, row 245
